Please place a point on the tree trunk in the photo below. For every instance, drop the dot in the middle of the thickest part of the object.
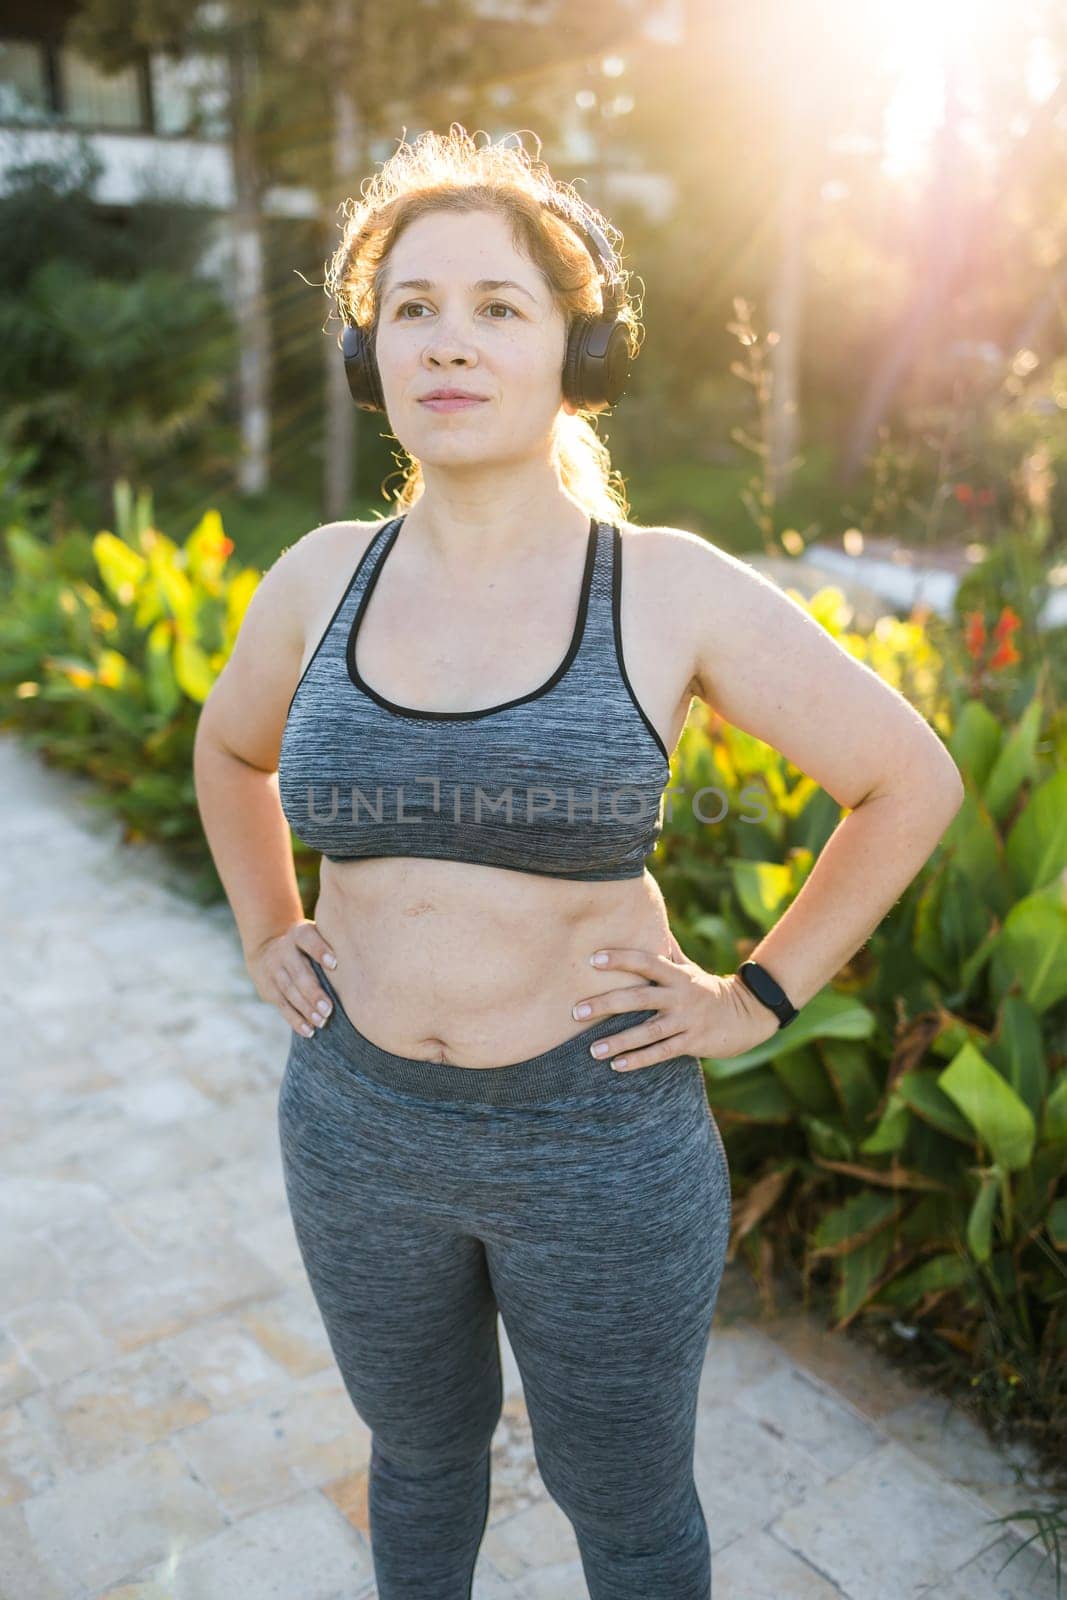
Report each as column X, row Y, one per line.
column 253, row 321
column 340, row 436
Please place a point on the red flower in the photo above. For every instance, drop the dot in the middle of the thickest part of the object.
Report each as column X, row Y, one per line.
column 1006, row 624
column 1005, row 655
column 985, row 497
column 974, row 635
column 964, row 493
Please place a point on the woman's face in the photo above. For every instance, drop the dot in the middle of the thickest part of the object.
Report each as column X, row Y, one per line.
column 504, row 344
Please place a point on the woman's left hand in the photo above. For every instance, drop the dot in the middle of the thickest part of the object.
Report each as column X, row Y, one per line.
column 700, row 1013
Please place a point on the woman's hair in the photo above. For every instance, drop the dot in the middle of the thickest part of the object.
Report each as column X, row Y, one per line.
column 451, row 173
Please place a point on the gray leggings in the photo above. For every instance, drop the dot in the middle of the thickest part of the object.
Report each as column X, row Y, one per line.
column 591, row 1208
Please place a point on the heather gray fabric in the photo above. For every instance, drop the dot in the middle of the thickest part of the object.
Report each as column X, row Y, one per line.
column 592, row 1209
column 566, row 780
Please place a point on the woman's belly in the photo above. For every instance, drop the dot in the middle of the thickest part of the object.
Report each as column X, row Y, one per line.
column 477, row 966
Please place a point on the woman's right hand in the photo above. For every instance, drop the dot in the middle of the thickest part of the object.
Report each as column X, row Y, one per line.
column 284, row 978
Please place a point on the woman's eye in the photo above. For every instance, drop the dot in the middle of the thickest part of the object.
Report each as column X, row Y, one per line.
column 420, row 303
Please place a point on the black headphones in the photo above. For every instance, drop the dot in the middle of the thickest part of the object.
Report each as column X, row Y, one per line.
column 597, row 362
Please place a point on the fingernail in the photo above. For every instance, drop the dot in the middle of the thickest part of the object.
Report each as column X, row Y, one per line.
column 331, row 961
column 600, row 958
column 620, row 1065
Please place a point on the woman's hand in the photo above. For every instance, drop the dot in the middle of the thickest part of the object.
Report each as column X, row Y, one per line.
column 282, row 976
column 700, row 1013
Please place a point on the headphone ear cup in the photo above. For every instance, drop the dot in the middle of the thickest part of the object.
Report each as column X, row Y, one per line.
column 361, row 369
column 597, row 363
column 573, row 389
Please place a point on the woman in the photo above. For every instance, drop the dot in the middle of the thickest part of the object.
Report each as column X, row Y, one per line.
column 460, row 707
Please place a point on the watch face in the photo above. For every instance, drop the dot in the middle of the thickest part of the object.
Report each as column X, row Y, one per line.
column 764, row 989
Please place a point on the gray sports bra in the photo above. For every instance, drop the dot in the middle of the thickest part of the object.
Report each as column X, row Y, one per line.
column 566, row 781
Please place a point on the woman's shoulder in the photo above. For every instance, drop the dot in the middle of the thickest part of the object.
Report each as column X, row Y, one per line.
column 665, row 553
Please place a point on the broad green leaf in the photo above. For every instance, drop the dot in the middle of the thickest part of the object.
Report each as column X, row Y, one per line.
column 1014, row 763
column 192, row 670
column 980, row 1221
column 920, row 1090
column 849, row 1069
column 1002, row 1121
column 1033, row 947
column 764, row 889
column 858, row 1274
column 972, row 839
column 163, row 690
column 122, row 568
column 847, row 1225
column 939, row 1272
column 1018, row 1051
column 1037, row 845
column 827, row 1139
column 975, row 742
column 892, row 1130
column 963, row 918
column 755, row 1097
column 1054, row 1122
column 827, row 1015
column 804, row 1076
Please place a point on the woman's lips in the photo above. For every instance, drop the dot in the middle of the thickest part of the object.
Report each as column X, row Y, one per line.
column 450, row 405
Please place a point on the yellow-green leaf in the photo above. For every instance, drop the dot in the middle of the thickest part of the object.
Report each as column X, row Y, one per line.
column 1001, row 1120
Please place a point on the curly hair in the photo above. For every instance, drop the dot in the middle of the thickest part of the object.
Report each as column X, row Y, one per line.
column 450, row 172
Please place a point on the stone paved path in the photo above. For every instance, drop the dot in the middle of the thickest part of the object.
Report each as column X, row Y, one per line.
column 171, row 1420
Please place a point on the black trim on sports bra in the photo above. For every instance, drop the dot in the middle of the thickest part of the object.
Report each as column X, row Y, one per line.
column 484, row 711
column 336, row 612
column 616, row 614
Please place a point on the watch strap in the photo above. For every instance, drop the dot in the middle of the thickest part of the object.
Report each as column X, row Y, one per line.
column 768, row 991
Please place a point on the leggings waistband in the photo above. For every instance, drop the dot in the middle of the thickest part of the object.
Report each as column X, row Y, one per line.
column 566, row 1069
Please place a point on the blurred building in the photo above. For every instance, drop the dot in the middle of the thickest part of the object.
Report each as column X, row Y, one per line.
column 160, row 127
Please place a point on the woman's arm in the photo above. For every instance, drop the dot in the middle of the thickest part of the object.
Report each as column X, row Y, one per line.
column 764, row 663
column 235, row 758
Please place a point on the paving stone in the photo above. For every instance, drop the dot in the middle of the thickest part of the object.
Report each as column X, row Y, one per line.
column 290, row 1329
column 96, row 1528
column 886, row 1527
column 274, row 1242
column 299, row 1550
column 150, row 1159
column 250, row 1455
column 946, row 1438
column 30, row 1269
column 58, row 1338
column 746, row 1474
column 1001, row 1574
column 17, row 1376
column 224, row 1363
column 532, row 1543
column 853, row 1369
column 31, row 1457
column 738, row 1357
column 799, row 1408
column 130, row 1402
column 27, row 1202
column 191, row 1216
column 24, row 1575
column 173, row 1293
column 757, row 1567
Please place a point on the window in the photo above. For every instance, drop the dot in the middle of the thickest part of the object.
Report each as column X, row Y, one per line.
column 95, row 99
column 189, row 95
column 24, row 95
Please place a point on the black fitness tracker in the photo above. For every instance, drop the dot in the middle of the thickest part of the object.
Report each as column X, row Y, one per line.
column 764, row 987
